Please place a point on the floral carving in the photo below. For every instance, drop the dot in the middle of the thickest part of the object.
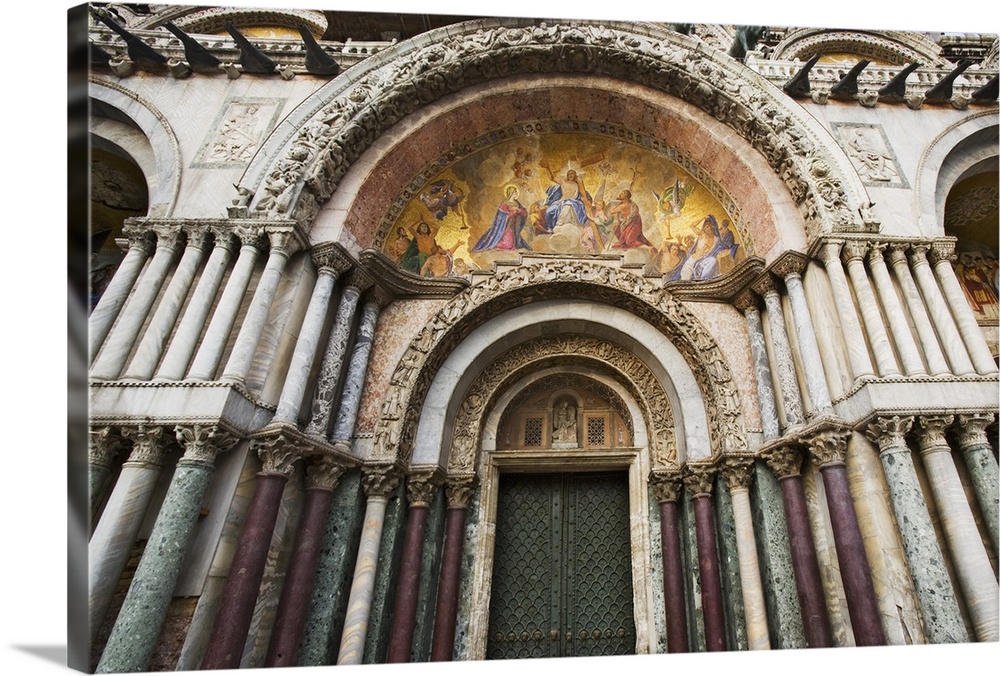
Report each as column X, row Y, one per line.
column 202, row 443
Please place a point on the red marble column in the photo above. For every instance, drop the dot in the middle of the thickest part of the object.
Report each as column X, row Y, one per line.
column 828, row 449
column 239, row 596
column 785, row 462
column 420, row 491
column 321, row 478
column 699, row 486
column 443, row 642
column 667, row 491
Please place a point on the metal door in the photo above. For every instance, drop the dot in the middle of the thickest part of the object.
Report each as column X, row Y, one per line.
column 562, row 567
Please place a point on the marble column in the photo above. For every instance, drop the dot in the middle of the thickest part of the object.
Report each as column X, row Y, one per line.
column 982, row 465
column 154, row 338
column 322, row 476
column 283, row 243
column 140, row 620
column 762, row 368
column 790, row 267
column 853, row 254
column 304, row 355
column 206, row 360
column 357, row 369
column 175, row 361
column 941, row 255
column 104, row 446
column 936, row 363
column 420, row 490
column 118, row 528
column 667, row 490
column 951, row 340
column 333, row 357
column 698, row 482
column 829, row 450
column 239, row 596
column 853, row 338
column 899, row 326
column 458, row 492
column 738, row 473
column 786, row 464
column 104, row 314
column 379, row 483
column 968, row 553
column 938, row 605
column 119, row 343
column 791, row 399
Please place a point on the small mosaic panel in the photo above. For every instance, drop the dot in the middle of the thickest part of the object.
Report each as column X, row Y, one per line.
column 238, row 130
column 870, row 153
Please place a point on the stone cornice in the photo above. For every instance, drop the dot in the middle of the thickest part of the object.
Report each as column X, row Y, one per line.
column 306, row 445
column 405, row 285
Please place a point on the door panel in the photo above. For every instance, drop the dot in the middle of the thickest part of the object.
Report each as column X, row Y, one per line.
column 562, row 580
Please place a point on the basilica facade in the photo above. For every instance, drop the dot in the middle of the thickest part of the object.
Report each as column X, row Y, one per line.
column 423, row 338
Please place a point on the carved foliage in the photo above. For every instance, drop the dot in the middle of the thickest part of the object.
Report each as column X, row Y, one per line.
column 890, row 432
column 148, row 444
column 202, row 443
column 971, row 430
column 104, row 446
column 829, row 447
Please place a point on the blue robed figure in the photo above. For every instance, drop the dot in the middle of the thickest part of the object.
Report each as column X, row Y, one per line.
column 505, row 233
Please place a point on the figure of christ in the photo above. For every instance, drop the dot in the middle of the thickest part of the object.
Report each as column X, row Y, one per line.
column 567, row 201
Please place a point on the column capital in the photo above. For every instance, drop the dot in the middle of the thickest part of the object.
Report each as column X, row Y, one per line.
column 829, row 252
column 168, row 237
column 225, row 238
column 201, row 443
column 360, row 280
column 699, row 479
column 323, row 473
column 459, row 491
column 854, row 250
column 897, row 253
column 971, row 430
column 420, row 487
column 784, row 460
column 932, row 432
column 747, row 300
column 282, row 240
column 379, row 480
column 942, row 250
column 737, row 471
column 666, row 485
column 139, row 237
column 105, row 443
column 828, row 448
column 789, row 264
column 149, row 442
column 889, row 432
column 197, row 234
column 277, row 454
column 379, row 296
column 765, row 285
column 918, row 253
column 250, row 235
column 333, row 258
column 875, row 252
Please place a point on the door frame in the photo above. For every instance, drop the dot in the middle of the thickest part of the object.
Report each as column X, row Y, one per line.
column 634, row 460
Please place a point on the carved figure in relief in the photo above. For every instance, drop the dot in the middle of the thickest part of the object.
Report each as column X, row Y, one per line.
column 564, row 424
column 872, row 164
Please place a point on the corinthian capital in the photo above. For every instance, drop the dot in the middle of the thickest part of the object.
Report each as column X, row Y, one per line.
column 459, row 491
column 785, row 461
column 333, row 258
column 897, row 253
column 666, row 486
column 149, row 442
column 139, row 237
column 829, row 447
column 746, row 301
column 765, row 284
column 699, row 479
column 105, row 443
column 829, row 253
column 891, row 432
column 738, row 472
column 789, row 264
column 942, row 250
column 932, row 429
column 971, row 430
column 854, row 250
column 421, row 486
column 202, row 443
column 277, row 454
column 323, row 474
column 379, row 481
column 168, row 237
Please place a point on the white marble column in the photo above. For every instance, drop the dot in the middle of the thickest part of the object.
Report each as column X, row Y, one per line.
column 790, row 269
column 936, row 363
column 968, row 553
column 379, row 483
column 853, row 338
column 283, row 243
column 938, row 605
column 941, row 256
column 898, row 324
column 175, row 362
column 781, row 352
column 357, row 369
column 738, row 473
column 762, row 369
column 206, row 361
column 982, row 466
column 118, row 528
column 140, row 246
column 154, row 339
column 951, row 340
column 121, row 339
column 853, row 254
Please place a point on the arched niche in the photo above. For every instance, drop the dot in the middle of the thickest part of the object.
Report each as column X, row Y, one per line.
column 882, row 47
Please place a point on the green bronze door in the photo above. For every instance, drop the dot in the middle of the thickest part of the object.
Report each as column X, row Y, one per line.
column 562, row 568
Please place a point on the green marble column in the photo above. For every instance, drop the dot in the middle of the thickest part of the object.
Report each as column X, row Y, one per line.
column 692, row 577
column 386, row 572
column 982, row 466
column 729, row 567
column 430, row 569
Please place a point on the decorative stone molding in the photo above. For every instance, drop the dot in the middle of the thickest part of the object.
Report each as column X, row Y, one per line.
column 323, row 473
column 788, row 264
column 889, row 432
column 785, row 459
column 738, row 471
column 459, row 491
column 421, row 486
column 699, row 479
column 333, row 256
column 139, row 237
column 932, row 431
column 402, row 284
column 105, row 443
column 277, row 454
column 360, row 280
column 971, row 430
column 829, row 447
column 149, row 442
column 252, row 235
column 666, row 485
column 897, row 47
column 379, row 481
column 202, row 443
column 168, row 237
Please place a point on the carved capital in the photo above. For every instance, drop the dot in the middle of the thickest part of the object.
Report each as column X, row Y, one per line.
column 277, row 454
column 139, row 237
column 829, row 253
column 829, row 447
column 322, row 474
column 784, row 461
column 250, row 235
column 197, row 235
column 854, row 250
column 766, row 284
column 897, row 253
column 360, row 280
column 918, row 254
column 168, row 237
column 421, row 486
column 971, row 430
column 891, row 432
column 225, row 238
column 282, row 240
column 875, row 253
column 738, row 472
column 932, row 432
column 202, row 443
column 942, row 251
column 333, row 258
column 699, row 479
column 379, row 296
column 747, row 300
column 666, row 486
column 105, row 443
column 789, row 264
column 459, row 492
column 379, row 481
column 148, row 445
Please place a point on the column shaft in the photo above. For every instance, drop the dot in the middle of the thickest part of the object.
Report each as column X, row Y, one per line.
column 819, row 391
column 106, row 311
column 968, row 327
column 898, row 324
column 352, row 642
column 708, row 564
column 404, row 613
column 854, row 253
column 753, row 591
column 791, row 398
column 857, row 351
column 333, row 359
column 982, row 466
column 762, row 371
column 951, row 340
column 673, row 578
column 357, row 369
column 936, row 363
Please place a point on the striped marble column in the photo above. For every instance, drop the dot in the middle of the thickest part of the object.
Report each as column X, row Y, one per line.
column 936, row 363
column 105, row 444
column 791, row 398
column 899, row 326
column 283, row 243
column 738, row 473
column 853, row 253
column 104, row 314
column 209, row 354
column 420, row 490
column 941, row 254
column 357, row 369
column 971, row 562
column 119, row 343
column 931, row 582
column 175, row 361
column 322, row 476
column 232, row 623
column 140, row 620
column 379, row 483
column 944, row 324
column 698, row 483
column 853, row 338
column 154, row 338
column 828, row 448
column 982, row 465
column 786, row 463
column 459, row 493
column 762, row 368
column 118, row 528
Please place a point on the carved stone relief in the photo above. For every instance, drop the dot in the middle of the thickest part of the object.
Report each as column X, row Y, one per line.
column 238, row 131
column 871, row 154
